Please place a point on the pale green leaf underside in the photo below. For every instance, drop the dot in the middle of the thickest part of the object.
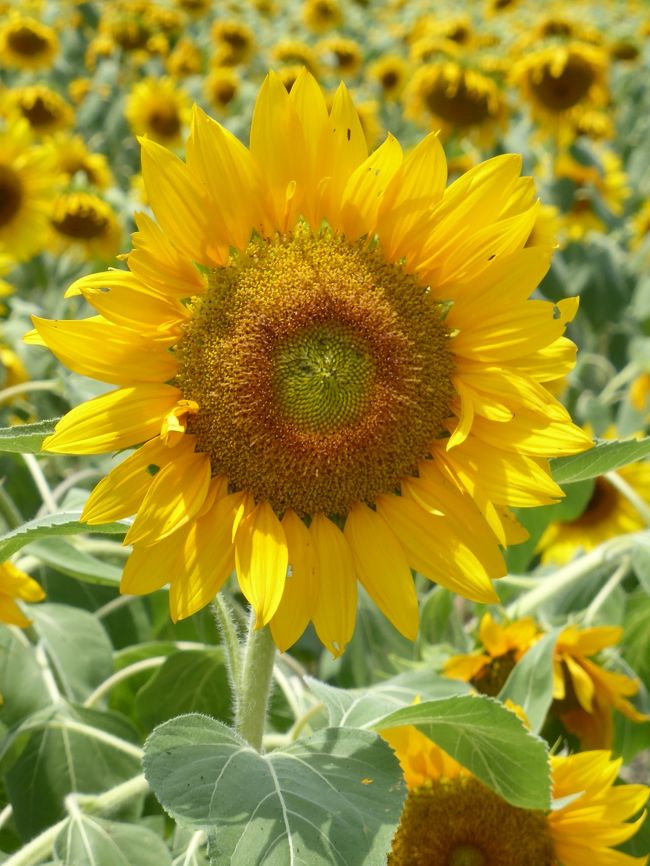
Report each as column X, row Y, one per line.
column 487, row 739
column 530, row 684
column 332, row 799
column 26, row 438
column 62, row 523
column 89, row 841
column 603, row 457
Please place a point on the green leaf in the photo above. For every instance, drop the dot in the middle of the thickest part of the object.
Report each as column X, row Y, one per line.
column 603, row 457
column 76, row 645
column 361, row 708
column 89, row 841
column 60, row 554
column 21, row 679
column 487, row 739
column 191, row 681
column 26, row 438
column 62, row 523
column 332, row 799
column 58, row 757
column 530, row 684
column 636, row 636
column 641, row 562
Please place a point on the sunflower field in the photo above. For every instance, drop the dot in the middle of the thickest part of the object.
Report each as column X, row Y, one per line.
column 324, row 453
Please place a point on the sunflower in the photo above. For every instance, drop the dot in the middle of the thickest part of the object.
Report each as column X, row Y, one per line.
column 641, row 225
column 557, row 79
column 235, row 42
column 73, row 157
column 391, row 73
column 15, row 584
column 451, row 818
column 25, row 43
column 608, row 513
column 488, row 668
column 82, row 222
column 341, row 56
column 295, row 52
column 156, row 107
column 186, row 59
column 640, row 388
column 456, row 100
column 348, row 383
column 220, row 87
column 45, row 110
column 7, row 264
column 28, row 180
column 322, row 15
column 585, row 694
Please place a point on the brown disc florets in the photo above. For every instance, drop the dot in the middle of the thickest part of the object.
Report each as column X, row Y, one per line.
column 322, row 373
column 11, row 194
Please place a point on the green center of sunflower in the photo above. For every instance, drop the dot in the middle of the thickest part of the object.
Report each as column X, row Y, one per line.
column 460, row 822
column 322, row 373
column 11, row 194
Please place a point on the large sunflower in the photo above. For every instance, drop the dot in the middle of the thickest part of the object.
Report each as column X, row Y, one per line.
column 452, row 819
column 330, row 363
column 28, row 180
column 26, row 43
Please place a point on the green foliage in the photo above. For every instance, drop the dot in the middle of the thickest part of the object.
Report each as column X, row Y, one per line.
column 603, row 457
column 332, row 798
column 530, row 684
column 90, row 841
column 26, row 438
column 63, row 523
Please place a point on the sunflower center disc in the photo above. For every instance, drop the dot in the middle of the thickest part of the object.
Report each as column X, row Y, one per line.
column 81, row 224
column 25, row 41
column 322, row 373
column 10, row 194
column 460, row 822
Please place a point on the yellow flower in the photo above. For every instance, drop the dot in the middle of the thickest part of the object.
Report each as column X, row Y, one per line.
column 295, row 53
column 349, row 384
column 185, row 59
column 156, row 107
column 641, row 225
column 456, row 100
column 7, row 264
column 557, row 79
column 220, row 87
column 84, row 223
column 25, row 43
column 28, row 182
column 341, row 56
column 487, row 669
column 585, row 693
column 15, row 584
column 451, row 819
column 45, row 110
column 322, row 15
column 73, row 156
column 235, row 42
column 12, row 369
column 391, row 73
column 640, row 390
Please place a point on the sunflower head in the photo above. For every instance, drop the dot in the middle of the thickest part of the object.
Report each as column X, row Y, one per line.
column 185, row 59
column 295, row 53
column 73, row 157
column 342, row 57
column 322, row 15
column 25, row 43
column 44, row 109
column 391, row 73
column 235, row 42
column 85, row 223
column 221, row 87
column 156, row 107
column 316, row 340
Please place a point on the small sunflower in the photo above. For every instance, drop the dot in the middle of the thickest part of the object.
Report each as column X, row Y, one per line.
column 186, row 59
column 220, row 87
column 341, row 56
column 44, row 109
column 28, row 181
column 12, row 369
column 156, row 107
column 391, row 73
column 296, row 53
column 322, row 15
column 558, row 79
column 488, row 668
column 195, row 8
column 85, row 223
column 451, row 818
column 585, row 694
column 330, row 362
column 456, row 100
column 25, row 43
column 73, row 157
column 641, row 225
column 16, row 585
column 639, row 393
column 235, row 42
column 7, row 264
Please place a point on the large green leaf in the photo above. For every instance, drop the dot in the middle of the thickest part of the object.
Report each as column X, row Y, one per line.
column 530, row 684
column 90, row 841
column 361, row 708
column 60, row 554
column 191, row 681
column 76, row 645
column 487, row 739
column 603, row 457
column 332, row 799
column 21, row 679
column 62, row 523
column 62, row 749
column 26, row 438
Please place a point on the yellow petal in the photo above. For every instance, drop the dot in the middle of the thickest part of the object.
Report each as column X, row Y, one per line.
column 307, row 98
column 104, row 351
column 336, row 609
column 174, row 497
column 261, row 560
column 364, row 190
column 382, row 568
column 119, row 419
column 301, row 586
column 156, row 262
column 150, row 568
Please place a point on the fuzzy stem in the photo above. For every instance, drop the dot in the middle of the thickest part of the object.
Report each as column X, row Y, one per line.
column 225, row 617
column 255, row 684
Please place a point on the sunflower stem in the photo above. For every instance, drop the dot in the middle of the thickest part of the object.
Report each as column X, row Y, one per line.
column 227, row 624
column 255, row 684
